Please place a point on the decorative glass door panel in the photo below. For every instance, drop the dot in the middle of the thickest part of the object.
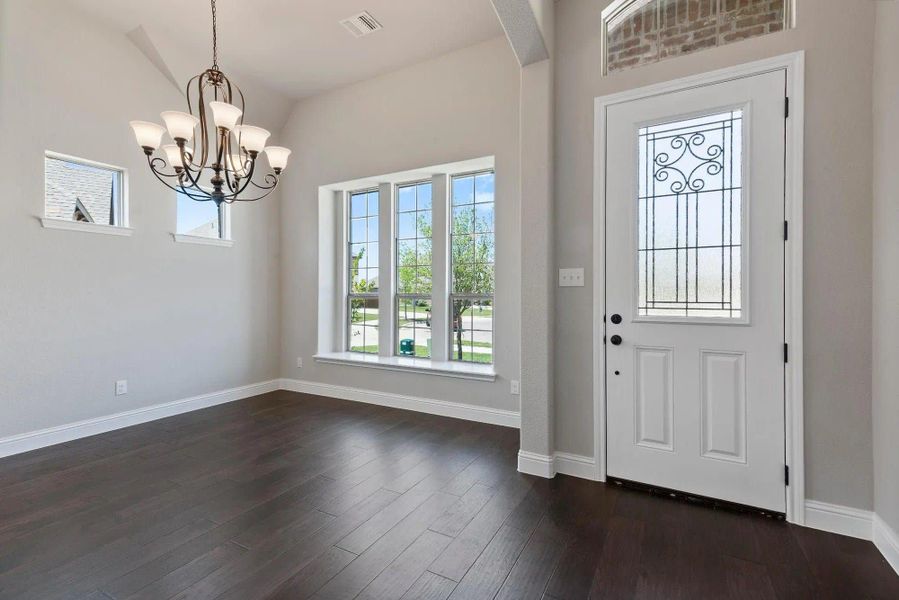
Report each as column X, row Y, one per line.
column 690, row 218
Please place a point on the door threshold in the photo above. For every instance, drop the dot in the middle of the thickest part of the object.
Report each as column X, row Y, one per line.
column 713, row 503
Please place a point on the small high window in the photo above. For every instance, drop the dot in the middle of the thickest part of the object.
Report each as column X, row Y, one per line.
column 638, row 32
column 202, row 219
column 83, row 191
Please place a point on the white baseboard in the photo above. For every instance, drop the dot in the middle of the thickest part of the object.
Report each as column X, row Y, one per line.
column 457, row 410
column 560, row 462
column 41, row 438
column 834, row 518
column 575, row 465
column 887, row 541
column 540, row 465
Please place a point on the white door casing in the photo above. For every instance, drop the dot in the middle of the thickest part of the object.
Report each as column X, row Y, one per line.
column 694, row 386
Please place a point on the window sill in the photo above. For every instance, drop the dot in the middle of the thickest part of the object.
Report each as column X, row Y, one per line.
column 84, row 227
column 410, row 365
column 183, row 238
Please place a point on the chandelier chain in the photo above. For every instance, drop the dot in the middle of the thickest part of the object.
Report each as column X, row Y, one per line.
column 215, row 48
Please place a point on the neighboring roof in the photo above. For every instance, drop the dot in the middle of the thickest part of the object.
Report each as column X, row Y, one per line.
column 72, row 187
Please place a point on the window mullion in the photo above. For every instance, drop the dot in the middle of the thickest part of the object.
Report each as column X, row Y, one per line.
column 386, row 284
column 440, row 268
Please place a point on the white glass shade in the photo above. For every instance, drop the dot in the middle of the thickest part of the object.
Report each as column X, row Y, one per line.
column 277, row 157
column 173, row 155
column 238, row 163
column 180, row 124
column 225, row 115
column 148, row 135
column 252, row 138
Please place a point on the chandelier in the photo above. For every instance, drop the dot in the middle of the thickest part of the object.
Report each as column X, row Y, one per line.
column 211, row 161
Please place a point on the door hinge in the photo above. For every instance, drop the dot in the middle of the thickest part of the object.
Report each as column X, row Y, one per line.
column 787, row 107
column 786, row 230
column 786, row 352
column 786, row 474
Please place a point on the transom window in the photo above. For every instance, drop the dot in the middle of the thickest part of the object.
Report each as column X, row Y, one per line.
column 638, row 32
column 414, row 273
column 80, row 190
column 362, row 271
column 690, row 218
column 472, row 264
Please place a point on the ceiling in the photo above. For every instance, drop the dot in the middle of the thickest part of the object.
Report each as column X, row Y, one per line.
column 298, row 47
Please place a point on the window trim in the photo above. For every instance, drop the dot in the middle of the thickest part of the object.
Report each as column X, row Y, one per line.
column 349, row 296
column 333, row 320
column 121, row 209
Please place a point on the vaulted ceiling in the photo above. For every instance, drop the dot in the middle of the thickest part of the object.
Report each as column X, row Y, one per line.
column 297, row 47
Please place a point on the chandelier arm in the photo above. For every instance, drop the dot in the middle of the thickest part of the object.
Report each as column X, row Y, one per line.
column 161, row 177
column 194, row 196
column 204, row 127
column 269, row 178
column 232, row 176
column 189, row 173
column 239, row 189
column 232, row 200
column 154, row 160
column 201, row 115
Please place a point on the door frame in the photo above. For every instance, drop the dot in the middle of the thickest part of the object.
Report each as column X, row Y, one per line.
column 794, row 66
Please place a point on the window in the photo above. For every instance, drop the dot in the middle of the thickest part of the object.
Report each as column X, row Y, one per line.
column 413, row 269
column 416, row 262
column 202, row 219
column 637, row 32
column 78, row 190
column 690, row 218
column 472, row 259
column 362, row 271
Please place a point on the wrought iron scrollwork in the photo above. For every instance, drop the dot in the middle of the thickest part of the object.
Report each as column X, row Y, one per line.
column 691, row 147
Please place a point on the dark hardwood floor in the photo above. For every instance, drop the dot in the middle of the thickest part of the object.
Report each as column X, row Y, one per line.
column 291, row 496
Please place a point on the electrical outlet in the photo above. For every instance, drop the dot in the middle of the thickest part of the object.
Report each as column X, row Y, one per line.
column 121, row 387
column 299, row 362
column 571, row 277
column 515, row 388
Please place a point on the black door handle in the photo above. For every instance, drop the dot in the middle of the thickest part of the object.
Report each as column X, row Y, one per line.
column 616, row 319
column 616, row 340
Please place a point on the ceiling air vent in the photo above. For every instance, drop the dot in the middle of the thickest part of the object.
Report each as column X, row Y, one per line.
column 361, row 24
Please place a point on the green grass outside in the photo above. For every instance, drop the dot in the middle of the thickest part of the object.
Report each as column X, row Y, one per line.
column 422, row 352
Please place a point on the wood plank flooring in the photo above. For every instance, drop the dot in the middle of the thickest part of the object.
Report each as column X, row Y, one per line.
column 291, row 496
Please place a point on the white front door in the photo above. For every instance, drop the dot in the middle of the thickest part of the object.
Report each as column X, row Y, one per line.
column 695, row 290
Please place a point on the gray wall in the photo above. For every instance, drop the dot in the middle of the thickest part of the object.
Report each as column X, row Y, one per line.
column 837, row 36
column 459, row 106
column 886, row 265
column 79, row 311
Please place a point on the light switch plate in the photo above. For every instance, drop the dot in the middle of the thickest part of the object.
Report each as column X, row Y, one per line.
column 571, row 277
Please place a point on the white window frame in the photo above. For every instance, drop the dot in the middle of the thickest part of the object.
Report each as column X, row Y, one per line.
column 397, row 296
column 451, row 297
column 120, row 209
column 334, row 282
column 224, row 240
column 347, row 275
